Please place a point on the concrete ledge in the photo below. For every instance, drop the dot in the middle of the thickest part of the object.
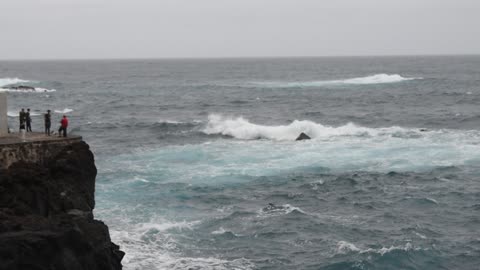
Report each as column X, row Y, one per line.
column 36, row 148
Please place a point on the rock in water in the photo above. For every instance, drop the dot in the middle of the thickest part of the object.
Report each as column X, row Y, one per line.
column 22, row 87
column 302, row 137
column 46, row 219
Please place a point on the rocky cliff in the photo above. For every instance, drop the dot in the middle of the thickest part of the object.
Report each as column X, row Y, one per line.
column 46, row 219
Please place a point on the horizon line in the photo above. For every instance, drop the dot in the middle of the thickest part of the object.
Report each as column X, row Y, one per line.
column 233, row 57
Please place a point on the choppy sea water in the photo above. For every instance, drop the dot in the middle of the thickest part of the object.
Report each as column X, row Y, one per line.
column 198, row 167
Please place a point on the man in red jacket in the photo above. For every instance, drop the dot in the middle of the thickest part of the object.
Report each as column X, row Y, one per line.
column 63, row 127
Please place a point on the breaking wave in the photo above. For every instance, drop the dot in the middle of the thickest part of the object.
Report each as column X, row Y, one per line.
column 241, row 128
column 16, row 114
column 152, row 246
column 34, row 90
column 66, row 110
column 373, row 79
column 10, row 81
column 344, row 247
column 6, row 85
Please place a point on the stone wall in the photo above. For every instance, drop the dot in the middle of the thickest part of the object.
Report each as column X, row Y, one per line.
column 3, row 114
column 38, row 152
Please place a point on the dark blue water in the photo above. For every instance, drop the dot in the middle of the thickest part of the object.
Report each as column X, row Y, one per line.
column 199, row 167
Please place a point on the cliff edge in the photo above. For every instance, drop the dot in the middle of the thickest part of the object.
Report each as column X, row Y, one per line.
column 46, row 219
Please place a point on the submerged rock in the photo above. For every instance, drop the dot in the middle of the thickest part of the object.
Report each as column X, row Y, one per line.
column 271, row 207
column 46, row 219
column 303, row 136
column 21, row 87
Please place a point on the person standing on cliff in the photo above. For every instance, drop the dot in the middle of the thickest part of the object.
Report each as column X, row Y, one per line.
column 22, row 119
column 48, row 122
column 28, row 120
column 63, row 126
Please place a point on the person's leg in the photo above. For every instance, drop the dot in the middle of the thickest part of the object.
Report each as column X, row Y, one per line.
column 65, row 132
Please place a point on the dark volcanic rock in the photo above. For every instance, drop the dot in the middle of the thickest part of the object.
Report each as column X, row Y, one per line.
column 46, row 219
column 21, row 87
column 302, row 136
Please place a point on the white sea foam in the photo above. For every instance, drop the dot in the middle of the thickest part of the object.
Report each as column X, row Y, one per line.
column 165, row 226
column 16, row 114
column 5, row 82
column 10, row 81
column 43, row 90
column 170, row 122
column 241, row 128
column 432, row 200
column 345, row 148
column 178, row 122
column 221, row 230
column 152, row 246
column 36, row 90
column 373, row 79
column 378, row 79
column 273, row 210
column 66, row 110
column 420, row 235
column 344, row 247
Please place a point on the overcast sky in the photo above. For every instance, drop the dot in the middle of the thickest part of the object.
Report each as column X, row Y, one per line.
column 59, row 29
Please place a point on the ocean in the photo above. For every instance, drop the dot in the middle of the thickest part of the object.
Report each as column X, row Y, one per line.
column 198, row 167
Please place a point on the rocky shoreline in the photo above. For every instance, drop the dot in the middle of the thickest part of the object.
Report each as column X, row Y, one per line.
column 46, row 219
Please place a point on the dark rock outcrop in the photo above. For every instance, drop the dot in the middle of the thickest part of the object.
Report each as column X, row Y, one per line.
column 46, row 219
column 21, row 87
column 302, row 137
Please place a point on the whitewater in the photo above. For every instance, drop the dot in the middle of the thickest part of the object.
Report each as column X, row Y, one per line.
column 198, row 167
column 5, row 83
column 367, row 80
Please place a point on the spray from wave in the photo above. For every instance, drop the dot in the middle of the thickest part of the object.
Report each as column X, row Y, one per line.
column 10, row 81
column 241, row 128
column 373, row 79
column 66, row 110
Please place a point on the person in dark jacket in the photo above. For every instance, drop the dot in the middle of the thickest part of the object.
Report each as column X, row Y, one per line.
column 63, row 127
column 21, row 116
column 48, row 122
column 28, row 120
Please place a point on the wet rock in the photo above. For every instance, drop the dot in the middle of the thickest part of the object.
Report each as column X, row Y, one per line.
column 46, row 218
column 302, row 137
column 22, row 87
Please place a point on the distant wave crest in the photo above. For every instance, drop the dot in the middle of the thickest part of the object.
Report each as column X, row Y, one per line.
column 16, row 114
column 344, row 247
column 241, row 128
column 6, row 85
column 373, row 79
column 10, row 81
column 36, row 90
column 66, row 110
